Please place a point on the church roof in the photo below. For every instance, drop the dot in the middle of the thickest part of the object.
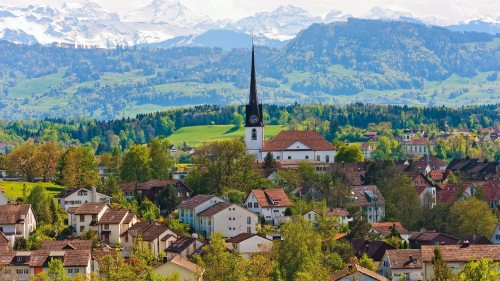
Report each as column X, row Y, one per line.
column 286, row 138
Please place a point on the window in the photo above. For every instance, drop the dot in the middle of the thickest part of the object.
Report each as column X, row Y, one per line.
column 94, row 217
column 318, row 158
column 277, row 157
column 249, row 204
column 255, row 205
column 289, row 157
column 309, row 216
column 249, row 220
column 327, row 159
column 249, row 229
column 307, row 157
column 254, row 134
column 106, row 226
column 126, row 238
column 22, row 271
column 497, row 236
column 82, row 218
column 82, row 228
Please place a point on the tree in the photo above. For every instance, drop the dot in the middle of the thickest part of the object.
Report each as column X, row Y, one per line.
column 349, row 154
column 22, row 161
column 56, row 270
column 40, row 201
column 359, row 225
column 136, row 164
column 483, row 269
column 237, row 120
column 114, row 268
column 367, row 262
column 47, row 156
column 77, row 167
column 178, row 227
column 289, row 180
column 441, row 271
column 149, row 211
column 472, row 216
column 167, row 200
column 299, row 254
column 143, row 251
column 400, row 193
column 269, row 161
column 161, row 165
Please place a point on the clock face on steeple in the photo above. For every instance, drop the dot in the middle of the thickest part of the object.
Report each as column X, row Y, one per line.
column 253, row 119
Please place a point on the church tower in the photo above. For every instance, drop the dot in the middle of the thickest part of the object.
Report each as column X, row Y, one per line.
column 254, row 127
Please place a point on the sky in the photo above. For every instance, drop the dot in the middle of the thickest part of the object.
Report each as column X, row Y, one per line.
column 449, row 11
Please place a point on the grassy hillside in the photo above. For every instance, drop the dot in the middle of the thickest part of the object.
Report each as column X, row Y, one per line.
column 14, row 189
column 197, row 135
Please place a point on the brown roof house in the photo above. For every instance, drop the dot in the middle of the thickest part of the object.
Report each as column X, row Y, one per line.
column 184, row 247
column 187, row 270
column 75, row 197
column 190, row 208
column 227, row 218
column 17, row 221
column 456, row 256
column 152, row 188
column 247, row 244
column 430, row 237
column 156, row 235
column 396, row 264
column 370, row 200
column 356, row 272
column 384, row 229
column 343, row 215
column 373, row 249
column 301, row 145
column 268, row 204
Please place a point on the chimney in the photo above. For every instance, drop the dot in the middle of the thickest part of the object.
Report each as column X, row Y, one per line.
column 410, row 258
column 94, row 194
column 465, row 244
column 194, row 235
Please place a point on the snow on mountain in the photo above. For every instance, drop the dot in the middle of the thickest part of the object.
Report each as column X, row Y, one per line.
column 387, row 14
column 478, row 24
column 87, row 11
column 336, row 16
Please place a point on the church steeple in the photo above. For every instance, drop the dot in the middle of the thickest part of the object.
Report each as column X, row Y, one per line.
column 253, row 108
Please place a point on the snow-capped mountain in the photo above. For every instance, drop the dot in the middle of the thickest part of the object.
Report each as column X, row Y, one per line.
column 478, row 24
column 336, row 16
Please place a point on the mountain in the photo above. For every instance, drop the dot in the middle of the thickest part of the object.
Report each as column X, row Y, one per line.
column 478, row 24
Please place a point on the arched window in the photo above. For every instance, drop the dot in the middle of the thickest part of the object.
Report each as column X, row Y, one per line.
column 289, row 157
column 254, row 134
column 307, row 157
column 277, row 157
column 327, row 159
column 318, row 158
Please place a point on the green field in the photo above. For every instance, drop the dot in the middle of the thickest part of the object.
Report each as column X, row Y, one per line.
column 197, row 135
column 14, row 189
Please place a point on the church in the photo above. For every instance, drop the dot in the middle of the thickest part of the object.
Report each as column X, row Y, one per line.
column 287, row 145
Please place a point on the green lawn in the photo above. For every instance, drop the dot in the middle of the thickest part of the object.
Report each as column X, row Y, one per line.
column 14, row 189
column 197, row 135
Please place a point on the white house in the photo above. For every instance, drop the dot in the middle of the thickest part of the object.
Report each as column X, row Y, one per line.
column 384, row 229
column 75, row 197
column 113, row 223
column 367, row 150
column 269, row 204
column 86, row 216
column 413, row 145
column 187, row 270
column 184, row 247
column 403, row 263
column 156, row 235
column 370, row 200
column 356, row 272
column 342, row 215
column 227, row 218
column 247, row 244
column 190, row 208
column 495, row 237
column 17, row 221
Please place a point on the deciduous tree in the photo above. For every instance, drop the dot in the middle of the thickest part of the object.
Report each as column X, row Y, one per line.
column 472, row 216
column 349, row 154
column 167, row 200
column 77, row 167
column 484, row 269
column 136, row 164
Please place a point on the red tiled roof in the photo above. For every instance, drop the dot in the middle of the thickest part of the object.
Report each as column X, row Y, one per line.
column 400, row 259
column 363, row 195
column 266, row 197
column 194, row 202
column 215, row 209
column 113, row 216
column 4, row 242
column 433, row 161
column 11, row 214
column 384, row 228
column 346, row 271
column 58, row 245
column 286, row 138
column 131, row 186
column 181, row 244
column 439, row 175
column 420, row 141
column 90, row 208
column 367, row 146
column 148, row 231
column 458, row 253
column 178, row 260
column 448, row 193
column 40, row 258
column 241, row 237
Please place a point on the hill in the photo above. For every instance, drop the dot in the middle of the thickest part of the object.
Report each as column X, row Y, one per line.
column 365, row 61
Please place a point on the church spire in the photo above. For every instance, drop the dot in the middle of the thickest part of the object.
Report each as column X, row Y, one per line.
column 253, row 82
column 253, row 108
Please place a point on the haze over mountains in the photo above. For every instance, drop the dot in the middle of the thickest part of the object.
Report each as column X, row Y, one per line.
column 170, row 23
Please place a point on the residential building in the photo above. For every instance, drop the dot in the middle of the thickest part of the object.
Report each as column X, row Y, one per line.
column 75, row 197
column 17, row 221
column 475, row 169
column 86, row 216
column 430, row 237
column 154, row 234
column 373, row 249
column 187, row 270
column 268, row 204
column 370, row 200
column 414, row 145
column 434, row 162
column 342, row 215
column 456, row 256
column 438, row 176
column 226, row 218
column 403, row 264
column 184, row 247
column 367, row 150
column 495, row 237
column 5, row 243
column 384, row 229
column 247, row 244
column 19, row 265
column 371, row 135
column 190, row 208
column 356, row 272
column 113, row 223
column 293, row 164
column 475, row 239
column 352, row 173
column 152, row 188
column 66, row 245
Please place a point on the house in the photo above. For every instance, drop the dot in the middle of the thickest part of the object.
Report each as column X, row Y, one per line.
column 430, row 237
column 374, row 249
column 434, row 162
column 5, row 244
column 293, row 164
column 403, row 264
column 152, row 188
column 384, row 229
column 427, row 196
column 342, row 214
column 190, row 208
column 66, row 245
column 113, row 223
column 184, row 247
column 3, row 148
column 75, row 197
column 4, row 200
column 371, row 135
column 495, row 237
column 86, row 216
column 416, row 146
column 17, row 221
column 154, row 234
column 475, row 169
column 356, row 272
column 268, row 204
column 475, row 239
column 438, row 176
column 370, row 200
column 19, row 265
column 247, row 244
column 187, row 270
column 352, row 173
column 490, row 191
column 226, row 218
column 455, row 256
column 173, row 150
column 104, row 171
column 367, row 150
